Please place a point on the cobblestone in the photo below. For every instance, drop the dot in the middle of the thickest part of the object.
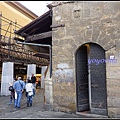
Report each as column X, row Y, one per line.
column 36, row 111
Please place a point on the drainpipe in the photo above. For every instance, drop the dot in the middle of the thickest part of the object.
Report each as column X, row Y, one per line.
column 43, row 46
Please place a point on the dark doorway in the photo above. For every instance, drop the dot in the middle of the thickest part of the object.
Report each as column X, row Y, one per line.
column 38, row 70
column 91, row 79
column 20, row 70
column 82, row 79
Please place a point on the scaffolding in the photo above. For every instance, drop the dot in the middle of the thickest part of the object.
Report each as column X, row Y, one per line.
column 10, row 50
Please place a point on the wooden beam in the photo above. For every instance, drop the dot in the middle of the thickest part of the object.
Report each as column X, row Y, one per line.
column 39, row 36
column 16, row 38
column 24, row 34
column 42, row 55
column 56, row 26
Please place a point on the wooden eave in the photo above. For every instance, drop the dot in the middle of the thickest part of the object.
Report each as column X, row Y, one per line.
column 35, row 24
column 39, row 36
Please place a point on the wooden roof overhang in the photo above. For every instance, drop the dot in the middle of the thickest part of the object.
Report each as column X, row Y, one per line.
column 38, row 26
column 38, row 31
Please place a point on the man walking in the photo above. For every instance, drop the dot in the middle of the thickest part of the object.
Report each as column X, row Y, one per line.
column 19, row 87
column 33, row 80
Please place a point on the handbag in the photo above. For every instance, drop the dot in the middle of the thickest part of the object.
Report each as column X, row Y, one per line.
column 11, row 88
column 30, row 93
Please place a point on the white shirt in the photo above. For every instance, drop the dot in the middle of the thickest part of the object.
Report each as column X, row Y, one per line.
column 29, row 87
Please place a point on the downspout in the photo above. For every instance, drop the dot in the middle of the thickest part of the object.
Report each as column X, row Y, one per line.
column 43, row 46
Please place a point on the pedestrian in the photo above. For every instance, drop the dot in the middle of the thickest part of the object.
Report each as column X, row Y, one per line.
column 29, row 93
column 12, row 94
column 19, row 87
column 33, row 80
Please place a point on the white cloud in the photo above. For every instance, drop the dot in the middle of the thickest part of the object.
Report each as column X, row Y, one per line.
column 37, row 7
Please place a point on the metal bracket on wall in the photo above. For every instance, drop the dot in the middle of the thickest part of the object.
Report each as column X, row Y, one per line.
column 56, row 26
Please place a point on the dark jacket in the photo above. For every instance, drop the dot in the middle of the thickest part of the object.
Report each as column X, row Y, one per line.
column 33, row 79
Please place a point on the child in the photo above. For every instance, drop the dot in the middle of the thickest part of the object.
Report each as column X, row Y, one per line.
column 12, row 96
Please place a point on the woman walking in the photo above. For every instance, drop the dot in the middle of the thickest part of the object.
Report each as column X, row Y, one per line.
column 29, row 93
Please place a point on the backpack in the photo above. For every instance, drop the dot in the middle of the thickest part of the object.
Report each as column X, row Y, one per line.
column 11, row 88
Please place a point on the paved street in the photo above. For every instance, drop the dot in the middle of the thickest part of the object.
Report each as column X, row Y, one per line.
column 36, row 111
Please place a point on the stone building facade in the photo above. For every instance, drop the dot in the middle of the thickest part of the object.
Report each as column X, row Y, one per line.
column 86, row 57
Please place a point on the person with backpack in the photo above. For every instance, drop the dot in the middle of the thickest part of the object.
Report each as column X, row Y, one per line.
column 12, row 94
column 11, row 89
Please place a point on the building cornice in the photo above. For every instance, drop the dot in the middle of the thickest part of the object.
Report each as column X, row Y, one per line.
column 22, row 9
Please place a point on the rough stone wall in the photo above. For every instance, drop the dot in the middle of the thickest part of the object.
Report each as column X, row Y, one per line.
column 113, row 81
column 97, row 22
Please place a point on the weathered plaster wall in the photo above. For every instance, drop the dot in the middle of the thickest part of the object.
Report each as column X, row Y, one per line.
column 97, row 22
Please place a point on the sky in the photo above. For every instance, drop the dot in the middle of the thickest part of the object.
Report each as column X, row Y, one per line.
column 37, row 7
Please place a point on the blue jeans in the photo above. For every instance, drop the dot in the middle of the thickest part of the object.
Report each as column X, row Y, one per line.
column 34, row 85
column 29, row 99
column 18, row 100
column 11, row 99
column 33, row 92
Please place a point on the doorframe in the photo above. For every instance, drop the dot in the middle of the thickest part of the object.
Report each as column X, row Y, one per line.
column 89, row 77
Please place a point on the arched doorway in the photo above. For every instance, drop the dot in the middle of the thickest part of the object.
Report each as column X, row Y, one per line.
column 91, row 79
